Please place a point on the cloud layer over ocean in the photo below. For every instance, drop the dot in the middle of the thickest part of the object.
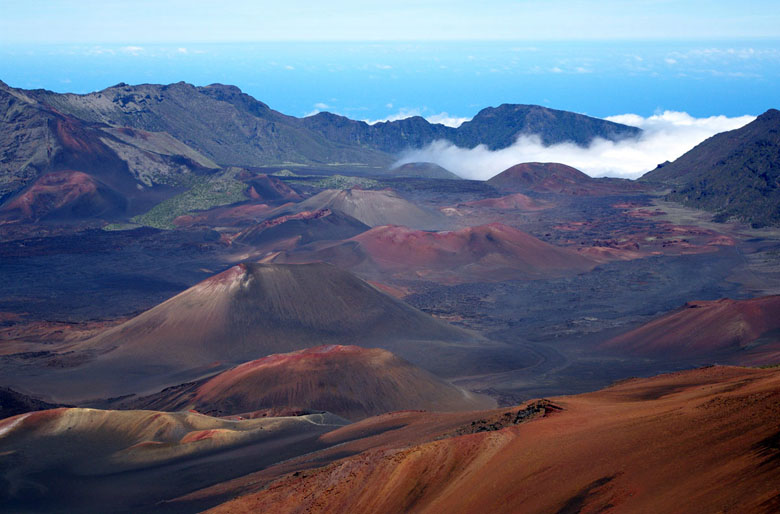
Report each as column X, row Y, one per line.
column 666, row 137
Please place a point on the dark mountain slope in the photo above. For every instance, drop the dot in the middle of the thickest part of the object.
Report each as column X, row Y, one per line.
column 232, row 128
column 13, row 403
column 226, row 125
column 391, row 136
column 498, row 127
column 735, row 174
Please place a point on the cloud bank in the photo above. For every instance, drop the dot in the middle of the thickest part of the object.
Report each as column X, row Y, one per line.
column 666, row 137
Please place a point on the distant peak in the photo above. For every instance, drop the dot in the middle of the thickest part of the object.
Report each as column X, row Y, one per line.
column 227, row 87
column 547, row 168
column 329, row 115
column 518, row 106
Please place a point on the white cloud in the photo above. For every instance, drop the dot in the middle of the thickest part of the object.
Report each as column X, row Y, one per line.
column 403, row 113
column 446, row 119
column 182, row 50
column 132, row 50
column 99, row 50
column 318, row 108
column 666, row 137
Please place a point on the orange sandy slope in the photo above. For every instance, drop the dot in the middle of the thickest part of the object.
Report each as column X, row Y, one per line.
column 724, row 327
column 698, row 441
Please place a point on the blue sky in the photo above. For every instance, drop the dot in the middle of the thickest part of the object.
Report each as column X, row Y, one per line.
column 378, row 60
column 177, row 21
column 374, row 81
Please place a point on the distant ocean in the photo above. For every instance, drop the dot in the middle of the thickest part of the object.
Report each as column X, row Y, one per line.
column 375, row 81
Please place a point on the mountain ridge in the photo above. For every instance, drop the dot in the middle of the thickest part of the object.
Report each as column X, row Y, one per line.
column 266, row 136
column 735, row 174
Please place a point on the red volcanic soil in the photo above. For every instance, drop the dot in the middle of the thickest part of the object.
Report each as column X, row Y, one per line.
column 75, row 137
column 517, row 201
column 240, row 215
column 625, row 236
column 552, row 177
column 739, row 330
column 485, row 253
column 67, row 193
column 349, row 381
column 305, row 215
column 267, row 188
column 498, row 244
column 698, row 441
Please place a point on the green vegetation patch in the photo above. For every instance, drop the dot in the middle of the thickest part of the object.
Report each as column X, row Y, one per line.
column 206, row 192
column 340, row 182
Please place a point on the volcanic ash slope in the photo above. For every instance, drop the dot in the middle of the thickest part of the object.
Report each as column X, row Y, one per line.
column 349, row 381
column 248, row 312
column 374, row 208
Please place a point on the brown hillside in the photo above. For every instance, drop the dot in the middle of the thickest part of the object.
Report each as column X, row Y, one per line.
column 734, row 330
column 349, row 381
column 696, row 441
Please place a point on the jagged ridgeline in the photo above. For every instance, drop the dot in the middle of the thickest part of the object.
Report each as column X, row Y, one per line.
column 232, row 128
